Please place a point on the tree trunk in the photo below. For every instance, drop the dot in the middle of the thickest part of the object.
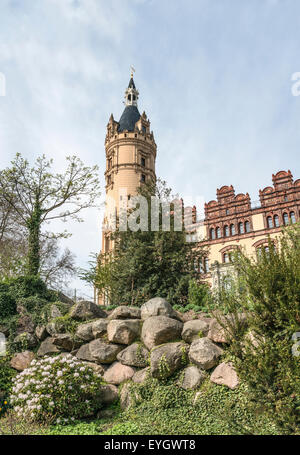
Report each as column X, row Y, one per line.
column 34, row 227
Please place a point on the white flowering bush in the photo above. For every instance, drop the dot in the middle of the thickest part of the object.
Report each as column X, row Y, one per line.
column 56, row 389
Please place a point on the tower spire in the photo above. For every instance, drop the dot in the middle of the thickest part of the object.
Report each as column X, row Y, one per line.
column 131, row 93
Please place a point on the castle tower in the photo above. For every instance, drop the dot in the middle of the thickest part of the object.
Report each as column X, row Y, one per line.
column 130, row 151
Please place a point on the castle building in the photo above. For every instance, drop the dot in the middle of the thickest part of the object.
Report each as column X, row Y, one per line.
column 230, row 222
column 130, row 151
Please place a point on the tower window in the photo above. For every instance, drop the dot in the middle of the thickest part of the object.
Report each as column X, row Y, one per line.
column 226, row 231
column 218, row 232
column 143, row 161
column 241, row 228
column 232, row 229
column 109, row 163
column 212, row 234
column 129, row 97
column 247, row 226
column 143, row 178
column 109, row 179
column 276, row 220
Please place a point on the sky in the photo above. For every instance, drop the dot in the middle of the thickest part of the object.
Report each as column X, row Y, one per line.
column 214, row 78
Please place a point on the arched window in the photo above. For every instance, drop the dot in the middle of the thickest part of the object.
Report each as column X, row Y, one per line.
column 276, row 221
column 226, row 257
column 206, row 265
column 293, row 217
column 285, row 219
column 241, row 228
column 218, row 232
column 226, row 231
column 232, row 229
column 212, row 234
column 269, row 222
column 247, row 226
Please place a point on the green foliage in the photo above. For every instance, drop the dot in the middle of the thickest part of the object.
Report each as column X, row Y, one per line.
column 30, row 292
column 58, row 388
column 166, row 408
column 6, row 377
column 147, row 263
column 7, row 305
column 28, row 286
column 199, row 295
column 268, row 291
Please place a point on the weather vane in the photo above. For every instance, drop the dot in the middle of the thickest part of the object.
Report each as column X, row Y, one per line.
column 132, row 70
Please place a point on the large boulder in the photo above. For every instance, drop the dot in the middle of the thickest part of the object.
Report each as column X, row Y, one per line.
column 55, row 326
column 118, row 373
column 84, row 331
column 85, row 310
column 125, row 312
column 194, row 329
column 136, row 355
column 25, row 324
column 47, row 347
column 225, row 374
column 98, row 369
column 123, row 331
column 66, row 341
column 109, row 393
column 84, row 353
column 166, row 359
column 129, row 396
column 192, row 377
column 55, row 312
column 26, row 339
column 92, row 330
column 221, row 327
column 217, row 333
column 204, row 353
column 99, row 328
column 141, row 375
column 104, row 352
column 157, row 307
column 41, row 332
column 22, row 360
column 160, row 329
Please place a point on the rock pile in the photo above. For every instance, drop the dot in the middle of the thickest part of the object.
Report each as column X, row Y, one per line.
column 132, row 343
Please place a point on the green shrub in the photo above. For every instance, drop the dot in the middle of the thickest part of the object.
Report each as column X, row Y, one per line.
column 30, row 291
column 166, row 409
column 268, row 290
column 56, row 388
column 198, row 295
column 6, row 377
column 7, row 305
column 27, row 286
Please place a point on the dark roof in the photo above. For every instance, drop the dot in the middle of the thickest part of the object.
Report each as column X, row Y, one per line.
column 131, row 83
column 129, row 118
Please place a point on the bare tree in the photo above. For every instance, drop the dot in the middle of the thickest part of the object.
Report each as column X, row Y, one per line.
column 36, row 195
